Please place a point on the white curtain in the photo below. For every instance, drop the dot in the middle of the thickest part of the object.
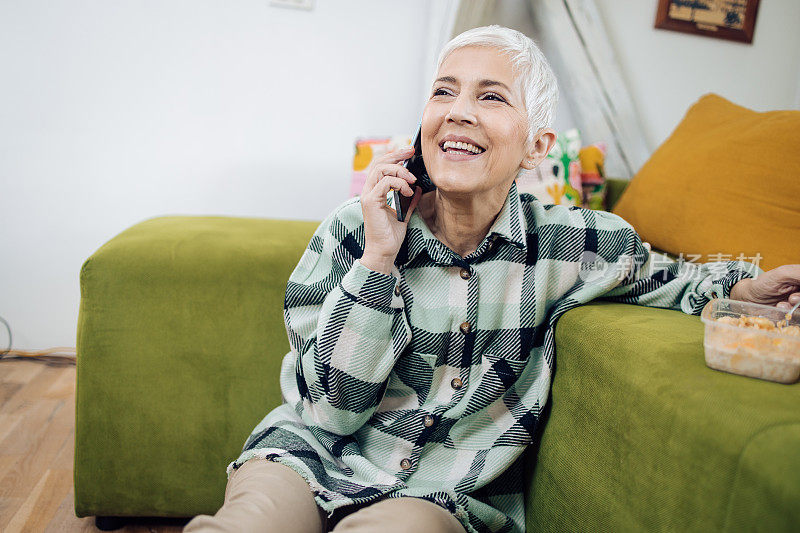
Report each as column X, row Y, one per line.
column 591, row 80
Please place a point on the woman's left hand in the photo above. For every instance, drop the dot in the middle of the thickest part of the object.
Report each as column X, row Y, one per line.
column 779, row 286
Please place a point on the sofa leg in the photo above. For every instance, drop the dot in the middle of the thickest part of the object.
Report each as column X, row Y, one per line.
column 109, row 523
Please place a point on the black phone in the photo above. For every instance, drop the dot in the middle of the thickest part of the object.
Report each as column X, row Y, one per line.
column 416, row 166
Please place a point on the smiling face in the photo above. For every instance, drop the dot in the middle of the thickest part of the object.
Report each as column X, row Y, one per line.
column 475, row 98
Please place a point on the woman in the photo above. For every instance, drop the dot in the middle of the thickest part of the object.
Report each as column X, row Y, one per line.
column 422, row 351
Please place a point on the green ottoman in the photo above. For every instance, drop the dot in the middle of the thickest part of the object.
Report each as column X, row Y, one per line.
column 180, row 340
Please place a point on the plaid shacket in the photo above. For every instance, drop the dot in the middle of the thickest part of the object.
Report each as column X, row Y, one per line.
column 429, row 382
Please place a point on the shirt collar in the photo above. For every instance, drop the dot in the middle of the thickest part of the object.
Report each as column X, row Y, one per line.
column 508, row 226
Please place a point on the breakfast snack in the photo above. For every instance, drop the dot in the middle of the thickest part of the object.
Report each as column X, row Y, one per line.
column 751, row 340
column 760, row 322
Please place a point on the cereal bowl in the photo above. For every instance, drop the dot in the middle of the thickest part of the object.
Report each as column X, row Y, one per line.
column 751, row 340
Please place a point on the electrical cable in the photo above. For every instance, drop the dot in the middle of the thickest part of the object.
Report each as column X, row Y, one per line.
column 62, row 355
column 8, row 328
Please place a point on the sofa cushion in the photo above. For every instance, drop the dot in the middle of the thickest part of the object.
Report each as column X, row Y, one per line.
column 727, row 181
column 642, row 436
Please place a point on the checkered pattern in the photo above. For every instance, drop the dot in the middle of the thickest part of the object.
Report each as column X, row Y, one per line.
column 429, row 382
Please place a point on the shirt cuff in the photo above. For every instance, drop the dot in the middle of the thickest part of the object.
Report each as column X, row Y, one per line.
column 370, row 288
column 721, row 288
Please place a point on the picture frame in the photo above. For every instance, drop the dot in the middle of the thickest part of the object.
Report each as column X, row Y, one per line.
column 734, row 20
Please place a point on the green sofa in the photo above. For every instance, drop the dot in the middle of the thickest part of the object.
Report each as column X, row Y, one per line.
column 181, row 336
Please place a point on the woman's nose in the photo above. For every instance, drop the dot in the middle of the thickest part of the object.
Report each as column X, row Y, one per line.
column 461, row 111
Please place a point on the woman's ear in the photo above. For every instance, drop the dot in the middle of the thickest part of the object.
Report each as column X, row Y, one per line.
column 544, row 140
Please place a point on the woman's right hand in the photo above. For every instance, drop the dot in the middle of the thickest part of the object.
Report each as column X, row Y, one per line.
column 383, row 233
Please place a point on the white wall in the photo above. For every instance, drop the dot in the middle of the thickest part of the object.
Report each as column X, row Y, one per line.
column 667, row 71
column 112, row 112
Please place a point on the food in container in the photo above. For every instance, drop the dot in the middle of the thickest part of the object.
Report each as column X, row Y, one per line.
column 751, row 340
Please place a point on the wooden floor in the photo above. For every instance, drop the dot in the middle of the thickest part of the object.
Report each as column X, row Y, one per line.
column 37, row 434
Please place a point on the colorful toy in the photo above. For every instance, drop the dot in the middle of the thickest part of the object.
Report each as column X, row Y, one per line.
column 593, row 179
column 557, row 179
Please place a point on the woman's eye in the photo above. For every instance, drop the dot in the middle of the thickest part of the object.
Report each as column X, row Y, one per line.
column 495, row 96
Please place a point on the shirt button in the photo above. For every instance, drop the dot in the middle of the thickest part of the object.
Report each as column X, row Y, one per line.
column 456, row 383
column 428, row 421
column 465, row 327
column 405, row 464
column 465, row 274
column 397, row 289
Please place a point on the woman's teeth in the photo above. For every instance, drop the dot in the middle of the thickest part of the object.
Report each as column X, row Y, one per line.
column 463, row 147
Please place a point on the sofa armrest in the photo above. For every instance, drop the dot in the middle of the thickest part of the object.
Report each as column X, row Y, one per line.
column 643, row 436
column 180, row 342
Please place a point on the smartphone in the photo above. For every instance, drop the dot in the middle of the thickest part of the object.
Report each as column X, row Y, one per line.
column 416, row 166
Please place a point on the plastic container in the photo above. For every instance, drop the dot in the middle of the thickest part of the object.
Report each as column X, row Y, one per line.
column 749, row 351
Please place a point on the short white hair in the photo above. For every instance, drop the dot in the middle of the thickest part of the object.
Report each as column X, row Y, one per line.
column 531, row 70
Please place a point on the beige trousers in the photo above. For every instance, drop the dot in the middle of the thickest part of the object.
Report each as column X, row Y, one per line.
column 265, row 496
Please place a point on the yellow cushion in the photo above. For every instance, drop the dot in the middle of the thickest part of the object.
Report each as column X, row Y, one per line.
column 725, row 183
